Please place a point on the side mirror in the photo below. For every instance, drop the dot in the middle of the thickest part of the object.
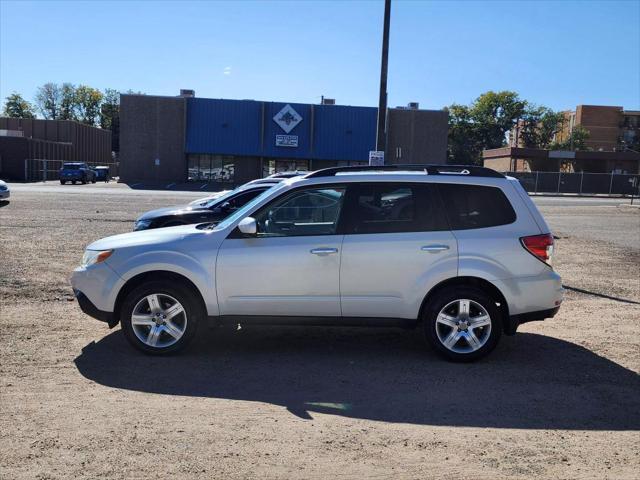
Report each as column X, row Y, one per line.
column 248, row 226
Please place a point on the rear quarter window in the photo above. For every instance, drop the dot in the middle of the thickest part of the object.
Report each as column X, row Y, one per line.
column 475, row 206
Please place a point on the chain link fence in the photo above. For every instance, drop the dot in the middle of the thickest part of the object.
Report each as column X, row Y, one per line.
column 579, row 183
column 40, row 170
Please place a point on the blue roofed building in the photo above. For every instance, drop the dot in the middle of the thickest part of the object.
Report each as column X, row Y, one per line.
column 229, row 142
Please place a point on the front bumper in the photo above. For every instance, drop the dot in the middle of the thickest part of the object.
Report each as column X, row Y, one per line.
column 96, row 288
column 90, row 309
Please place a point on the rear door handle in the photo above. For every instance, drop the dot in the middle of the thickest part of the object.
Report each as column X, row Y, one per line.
column 323, row 251
column 434, row 248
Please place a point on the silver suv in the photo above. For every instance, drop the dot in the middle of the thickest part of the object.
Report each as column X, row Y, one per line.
column 461, row 252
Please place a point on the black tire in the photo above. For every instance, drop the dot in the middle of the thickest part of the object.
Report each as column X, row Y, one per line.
column 73, row 181
column 449, row 296
column 62, row 182
column 190, row 301
column 84, row 180
column 93, row 180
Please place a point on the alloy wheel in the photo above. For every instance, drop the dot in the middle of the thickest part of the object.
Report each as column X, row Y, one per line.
column 159, row 320
column 463, row 326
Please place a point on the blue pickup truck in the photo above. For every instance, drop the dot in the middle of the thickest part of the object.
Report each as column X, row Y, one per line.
column 76, row 172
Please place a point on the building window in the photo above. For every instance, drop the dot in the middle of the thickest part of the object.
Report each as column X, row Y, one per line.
column 211, row 168
column 272, row 166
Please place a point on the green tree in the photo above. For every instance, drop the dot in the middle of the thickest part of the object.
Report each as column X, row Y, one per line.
column 17, row 107
column 110, row 116
column 88, row 102
column 68, row 103
column 464, row 148
column 482, row 125
column 109, row 109
column 48, row 99
column 539, row 126
column 577, row 140
column 494, row 114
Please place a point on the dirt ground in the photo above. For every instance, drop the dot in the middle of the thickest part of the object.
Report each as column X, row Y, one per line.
column 559, row 400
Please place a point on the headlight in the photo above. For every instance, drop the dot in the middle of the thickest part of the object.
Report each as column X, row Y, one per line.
column 141, row 224
column 91, row 257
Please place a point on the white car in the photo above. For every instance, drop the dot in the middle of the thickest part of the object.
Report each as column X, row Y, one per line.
column 5, row 193
column 461, row 252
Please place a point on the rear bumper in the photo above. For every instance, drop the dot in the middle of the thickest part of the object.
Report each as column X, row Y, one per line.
column 90, row 309
column 516, row 320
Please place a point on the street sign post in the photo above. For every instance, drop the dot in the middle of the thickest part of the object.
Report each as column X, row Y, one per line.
column 376, row 158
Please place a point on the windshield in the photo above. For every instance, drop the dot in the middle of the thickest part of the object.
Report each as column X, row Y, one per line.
column 242, row 212
column 221, row 198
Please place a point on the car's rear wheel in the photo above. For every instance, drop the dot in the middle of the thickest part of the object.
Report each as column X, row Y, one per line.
column 161, row 317
column 462, row 323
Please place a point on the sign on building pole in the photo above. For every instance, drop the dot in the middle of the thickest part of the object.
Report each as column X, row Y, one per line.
column 376, row 158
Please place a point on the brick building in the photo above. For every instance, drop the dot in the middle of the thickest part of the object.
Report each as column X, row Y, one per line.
column 24, row 139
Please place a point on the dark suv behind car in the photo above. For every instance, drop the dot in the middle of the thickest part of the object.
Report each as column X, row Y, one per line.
column 76, row 172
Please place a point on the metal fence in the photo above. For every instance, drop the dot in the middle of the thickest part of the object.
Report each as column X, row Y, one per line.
column 41, row 170
column 579, row 183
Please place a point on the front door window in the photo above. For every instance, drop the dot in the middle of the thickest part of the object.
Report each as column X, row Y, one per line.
column 305, row 212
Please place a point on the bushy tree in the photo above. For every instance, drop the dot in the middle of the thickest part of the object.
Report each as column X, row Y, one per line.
column 68, row 103
column 482, row 125
column 17, row 107
column 539, row 126
column 110, row 116
column 577, row 140
column 48, row 99
column 464, row 147
column 88, row 102
column 494, row 114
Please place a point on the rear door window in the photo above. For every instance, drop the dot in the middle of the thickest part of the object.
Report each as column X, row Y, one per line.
column 475, row 206
column 392, row 208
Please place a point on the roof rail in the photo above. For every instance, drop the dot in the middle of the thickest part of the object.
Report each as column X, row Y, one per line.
column 467, row 170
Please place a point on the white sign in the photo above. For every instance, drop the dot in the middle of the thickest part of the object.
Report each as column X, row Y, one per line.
column 287, row 118
column 376, row 158
column 157, row 162
column 286, row 140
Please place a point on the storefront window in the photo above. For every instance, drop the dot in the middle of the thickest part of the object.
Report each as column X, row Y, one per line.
column 285, row 165
column 211, row 168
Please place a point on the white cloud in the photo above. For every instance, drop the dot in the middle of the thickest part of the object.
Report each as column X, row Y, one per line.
column 226, row 71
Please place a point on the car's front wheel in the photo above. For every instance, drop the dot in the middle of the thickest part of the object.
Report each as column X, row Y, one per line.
column 161, row 317
column 462, row 324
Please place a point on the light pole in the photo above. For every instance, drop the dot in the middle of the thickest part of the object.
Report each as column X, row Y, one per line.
column 381, row 133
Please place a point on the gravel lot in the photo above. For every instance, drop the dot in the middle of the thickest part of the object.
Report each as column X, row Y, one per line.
column 559, row 400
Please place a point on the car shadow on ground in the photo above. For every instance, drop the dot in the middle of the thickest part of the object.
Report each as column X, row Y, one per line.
column 531, row 381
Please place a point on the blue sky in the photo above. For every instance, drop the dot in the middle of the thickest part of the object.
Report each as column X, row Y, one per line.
column 558, row 54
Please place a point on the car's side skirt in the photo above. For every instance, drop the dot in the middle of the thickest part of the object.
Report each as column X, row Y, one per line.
column 314, row 321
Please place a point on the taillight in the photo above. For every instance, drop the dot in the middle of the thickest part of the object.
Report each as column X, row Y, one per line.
column 540, row 246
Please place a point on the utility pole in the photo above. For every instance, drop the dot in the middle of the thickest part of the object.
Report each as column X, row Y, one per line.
column 381, row 134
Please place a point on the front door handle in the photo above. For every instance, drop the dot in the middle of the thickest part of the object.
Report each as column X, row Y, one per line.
column 323, row 251
column 434, row 248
